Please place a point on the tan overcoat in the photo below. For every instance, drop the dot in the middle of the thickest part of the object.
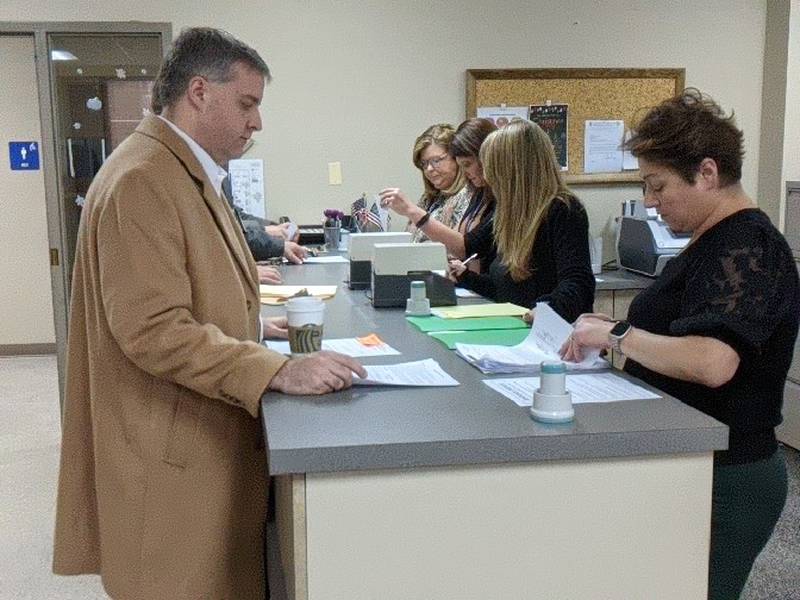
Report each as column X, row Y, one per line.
column 162, row 487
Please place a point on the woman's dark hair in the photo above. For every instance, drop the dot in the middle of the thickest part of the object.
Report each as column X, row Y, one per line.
column 203, row 51
column 682, row 131
column 469, row 136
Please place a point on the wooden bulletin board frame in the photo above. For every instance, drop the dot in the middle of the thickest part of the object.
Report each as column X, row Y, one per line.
column 590, row 93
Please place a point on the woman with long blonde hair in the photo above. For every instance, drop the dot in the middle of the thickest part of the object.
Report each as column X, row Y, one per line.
column 540, row 228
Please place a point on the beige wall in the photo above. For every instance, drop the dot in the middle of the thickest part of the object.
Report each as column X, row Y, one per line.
column 26, row 310
column 356, row 81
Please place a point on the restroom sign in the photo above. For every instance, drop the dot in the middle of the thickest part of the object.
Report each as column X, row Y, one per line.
column 24, row 156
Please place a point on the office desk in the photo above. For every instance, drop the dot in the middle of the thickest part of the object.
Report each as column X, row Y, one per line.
column 440, row 493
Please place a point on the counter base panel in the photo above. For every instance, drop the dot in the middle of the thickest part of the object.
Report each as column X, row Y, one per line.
column 633, row 528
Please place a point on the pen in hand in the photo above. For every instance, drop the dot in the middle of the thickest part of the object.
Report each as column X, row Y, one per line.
column 469, row 258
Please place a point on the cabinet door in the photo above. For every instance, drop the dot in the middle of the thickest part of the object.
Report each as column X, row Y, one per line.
column 789, row 431
column 794, row 370
column 604, row 302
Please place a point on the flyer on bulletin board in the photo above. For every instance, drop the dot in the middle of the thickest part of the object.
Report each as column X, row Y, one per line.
column 553, row 119
column 502, row 115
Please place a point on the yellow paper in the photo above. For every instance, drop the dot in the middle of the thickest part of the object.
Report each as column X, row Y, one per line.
column 464, row 311
column 279, row 294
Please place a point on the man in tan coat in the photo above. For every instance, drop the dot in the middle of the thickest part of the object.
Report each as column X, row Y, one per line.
column 162, row 488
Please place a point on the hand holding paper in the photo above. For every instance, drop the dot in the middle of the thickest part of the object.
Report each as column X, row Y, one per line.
column 548, row 334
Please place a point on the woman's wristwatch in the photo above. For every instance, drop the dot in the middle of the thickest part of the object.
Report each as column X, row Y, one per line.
column 618, row 333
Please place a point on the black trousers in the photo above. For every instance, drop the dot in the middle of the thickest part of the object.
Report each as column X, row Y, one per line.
column 747, row 501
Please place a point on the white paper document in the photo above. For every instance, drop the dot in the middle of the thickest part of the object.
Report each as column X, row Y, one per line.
column 548, row 333
column 421, row 373
column 247, row 185
column 348, row 346
column 324, row 259
column 585, row 387
column 602, row 146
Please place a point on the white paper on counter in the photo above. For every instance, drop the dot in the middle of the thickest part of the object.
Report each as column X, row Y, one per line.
column 602, row 146
column 348, row 346
column 465, row 293
column 421, row 373
column 585, row 387
column 324, row 259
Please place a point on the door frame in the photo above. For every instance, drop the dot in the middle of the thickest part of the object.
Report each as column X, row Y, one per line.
column 45, row 81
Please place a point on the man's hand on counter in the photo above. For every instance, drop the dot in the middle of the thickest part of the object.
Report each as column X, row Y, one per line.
column 317, row 373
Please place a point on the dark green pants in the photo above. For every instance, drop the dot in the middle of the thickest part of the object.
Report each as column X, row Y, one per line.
column 747, row 502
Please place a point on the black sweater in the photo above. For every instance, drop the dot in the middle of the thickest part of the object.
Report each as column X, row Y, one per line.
column 737, row 283
column 561, row 271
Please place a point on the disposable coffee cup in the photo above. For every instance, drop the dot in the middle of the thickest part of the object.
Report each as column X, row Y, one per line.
column 305, row 315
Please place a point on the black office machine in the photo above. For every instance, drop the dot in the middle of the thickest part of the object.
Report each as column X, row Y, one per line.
column 645, row 245
column 395, row 266
column 360, row 248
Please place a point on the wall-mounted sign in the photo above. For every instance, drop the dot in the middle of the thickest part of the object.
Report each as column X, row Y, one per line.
column 24, row 156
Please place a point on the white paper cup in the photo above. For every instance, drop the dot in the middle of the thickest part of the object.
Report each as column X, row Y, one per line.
column 305, row 316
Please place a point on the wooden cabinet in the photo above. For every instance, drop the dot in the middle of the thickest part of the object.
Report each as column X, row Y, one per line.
column 615, row 303
column 789, row 431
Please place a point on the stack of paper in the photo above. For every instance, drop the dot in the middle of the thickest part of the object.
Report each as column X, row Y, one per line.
column 421, row 373
column 279, row 294
column 544, row 341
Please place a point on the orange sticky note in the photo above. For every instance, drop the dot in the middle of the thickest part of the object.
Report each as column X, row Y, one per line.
column 369, row 340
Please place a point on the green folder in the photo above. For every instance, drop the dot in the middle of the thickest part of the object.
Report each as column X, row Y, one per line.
column 500, row 337
column 427, row 324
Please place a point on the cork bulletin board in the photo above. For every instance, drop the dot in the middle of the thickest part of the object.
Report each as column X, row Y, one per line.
column 624, row 94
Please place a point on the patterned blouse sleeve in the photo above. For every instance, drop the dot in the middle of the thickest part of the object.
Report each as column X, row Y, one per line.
column 740, row 293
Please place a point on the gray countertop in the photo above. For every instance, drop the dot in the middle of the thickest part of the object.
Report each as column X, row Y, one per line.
column 384, row 428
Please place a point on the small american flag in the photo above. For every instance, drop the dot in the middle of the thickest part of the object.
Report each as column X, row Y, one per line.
column 359, row 210
column 376, row 218
column 373, row 217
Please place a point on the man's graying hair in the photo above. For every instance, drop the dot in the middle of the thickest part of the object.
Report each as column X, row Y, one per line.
column 202, row 51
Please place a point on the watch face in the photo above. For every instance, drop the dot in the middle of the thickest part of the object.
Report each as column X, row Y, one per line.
column 620, row 328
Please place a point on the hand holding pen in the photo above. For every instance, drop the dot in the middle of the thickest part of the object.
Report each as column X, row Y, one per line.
column 456, row 268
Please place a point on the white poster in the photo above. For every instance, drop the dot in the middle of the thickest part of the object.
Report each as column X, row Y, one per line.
column 247, row 185
column 502, row 115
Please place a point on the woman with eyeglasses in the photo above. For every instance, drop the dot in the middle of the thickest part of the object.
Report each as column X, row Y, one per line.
column 717, row 329
column 473, row 234
column 540, row 228
column 445, row 197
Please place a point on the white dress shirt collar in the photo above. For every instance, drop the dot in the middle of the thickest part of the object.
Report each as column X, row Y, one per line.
column 213, row 171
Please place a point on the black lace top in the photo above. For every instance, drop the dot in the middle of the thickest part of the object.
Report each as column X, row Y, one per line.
column 737, row 283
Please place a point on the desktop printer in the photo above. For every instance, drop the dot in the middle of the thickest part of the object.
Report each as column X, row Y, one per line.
column 360, row 253
column 395, row 266
column 645, row 245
